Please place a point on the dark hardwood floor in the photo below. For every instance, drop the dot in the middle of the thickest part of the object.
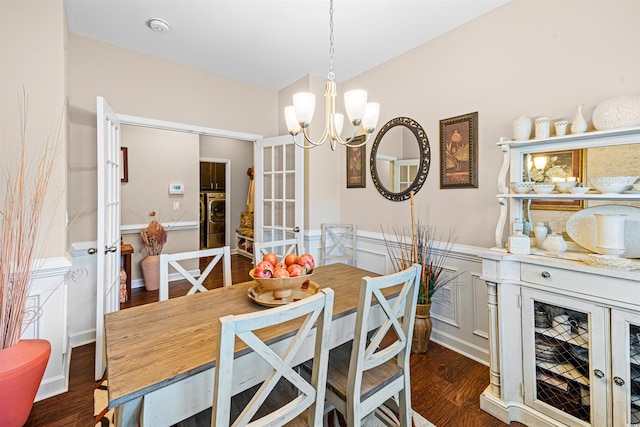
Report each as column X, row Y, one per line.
column 445, row 385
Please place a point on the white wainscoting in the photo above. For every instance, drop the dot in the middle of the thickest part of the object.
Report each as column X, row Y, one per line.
column 459, row 310
column 48, row 293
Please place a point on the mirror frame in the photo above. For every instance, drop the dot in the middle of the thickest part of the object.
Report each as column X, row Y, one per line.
column 425, row 158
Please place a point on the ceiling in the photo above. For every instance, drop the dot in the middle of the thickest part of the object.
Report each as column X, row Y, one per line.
column 272, row 44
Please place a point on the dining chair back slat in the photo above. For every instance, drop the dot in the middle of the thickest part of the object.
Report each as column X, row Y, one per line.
column 197, row 281
column 374, row 367
column 309, row 395
column 338, row 243
column 281, row 248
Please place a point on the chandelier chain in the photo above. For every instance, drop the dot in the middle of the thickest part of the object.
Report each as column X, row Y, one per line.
column 331, row 74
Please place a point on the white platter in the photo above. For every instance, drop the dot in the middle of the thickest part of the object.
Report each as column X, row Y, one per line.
column 583, row 228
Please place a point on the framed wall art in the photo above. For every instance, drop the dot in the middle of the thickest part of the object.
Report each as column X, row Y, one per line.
column 124, row 165
column 558, row 166
column 459, row 151
column 357, row 164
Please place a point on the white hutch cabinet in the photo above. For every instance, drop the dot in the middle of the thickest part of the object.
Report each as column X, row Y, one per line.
column 564, row 335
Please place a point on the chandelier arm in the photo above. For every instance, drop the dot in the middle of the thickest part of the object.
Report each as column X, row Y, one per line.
column 366, row 139
column 322, row 139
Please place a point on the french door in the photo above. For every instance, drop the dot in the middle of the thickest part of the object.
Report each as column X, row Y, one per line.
column 279, row 190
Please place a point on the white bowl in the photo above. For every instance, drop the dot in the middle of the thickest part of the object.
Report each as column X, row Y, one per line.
column 543, row 188
column 522, row 187
column 579, row 190
column 612, row 184
column 563, row 187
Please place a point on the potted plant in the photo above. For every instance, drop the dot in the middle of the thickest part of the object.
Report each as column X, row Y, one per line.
column 154, row 236
column 22, row 361
column 422, row 248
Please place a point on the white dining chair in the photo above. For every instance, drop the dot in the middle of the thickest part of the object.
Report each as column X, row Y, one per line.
column 197, row 281
column 338, row 243
column 285, row 395
column 281, row 248
column 368, row 372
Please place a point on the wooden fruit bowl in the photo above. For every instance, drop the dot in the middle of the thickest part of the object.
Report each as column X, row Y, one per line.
column 281, row 286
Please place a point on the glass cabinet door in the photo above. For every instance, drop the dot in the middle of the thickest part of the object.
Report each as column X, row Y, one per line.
column 625, row 362
column 564, row 357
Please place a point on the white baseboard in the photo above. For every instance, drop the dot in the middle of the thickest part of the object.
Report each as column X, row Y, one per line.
column 83, row 337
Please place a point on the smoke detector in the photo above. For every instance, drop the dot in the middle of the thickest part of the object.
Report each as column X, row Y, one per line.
column 158, row 25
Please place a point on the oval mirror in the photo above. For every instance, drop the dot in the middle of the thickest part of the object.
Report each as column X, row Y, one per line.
column 400, row 159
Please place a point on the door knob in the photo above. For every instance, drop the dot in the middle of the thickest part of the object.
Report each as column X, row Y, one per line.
column 92, row 251
column 296, row 229
column 598, row 373
column 618, row 381
column 110, row 249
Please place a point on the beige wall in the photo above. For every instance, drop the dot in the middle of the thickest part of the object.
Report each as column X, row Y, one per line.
column 156, row 159
column 140, row 85
column 521, row 59
column 32, row 58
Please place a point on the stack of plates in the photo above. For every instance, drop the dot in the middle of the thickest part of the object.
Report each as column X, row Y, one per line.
column 550, row 350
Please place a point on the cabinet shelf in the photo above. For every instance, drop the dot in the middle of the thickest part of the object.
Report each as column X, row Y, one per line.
column 565, row 370
column 571, row 196
column 572, row 339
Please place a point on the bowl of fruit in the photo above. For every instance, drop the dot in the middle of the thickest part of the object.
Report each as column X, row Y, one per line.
column 281, row 277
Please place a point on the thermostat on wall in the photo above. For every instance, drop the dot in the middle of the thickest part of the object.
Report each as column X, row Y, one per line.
column 176, row 189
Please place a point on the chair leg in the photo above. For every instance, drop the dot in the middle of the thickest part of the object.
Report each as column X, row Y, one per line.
column 405, row 413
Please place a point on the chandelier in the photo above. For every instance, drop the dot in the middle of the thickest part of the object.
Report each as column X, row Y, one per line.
column 298, row 116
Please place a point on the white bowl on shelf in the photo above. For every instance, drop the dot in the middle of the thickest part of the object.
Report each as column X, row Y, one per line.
column 612, row 184
column 522, row 187
column 579, row 190
column 563, row 187
column 543, row 188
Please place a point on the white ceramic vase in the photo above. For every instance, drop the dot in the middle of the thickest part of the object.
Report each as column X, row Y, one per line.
column 540, row 231
column 522, row 128
column 610, row 233
column 579, row 124
column 542, row 127
column 555, row 244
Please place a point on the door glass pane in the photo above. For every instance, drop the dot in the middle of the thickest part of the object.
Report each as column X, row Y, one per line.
column 634, row 371
column 277, row 186
column 268, row 159
column 290, row 215
column 290, row 185
column 268, row 187
column 278, row 214
column 268, row 215
column 290, row 156
column 278, row 158
column 562, row 359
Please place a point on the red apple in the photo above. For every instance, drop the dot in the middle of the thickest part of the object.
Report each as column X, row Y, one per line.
column 281, row 265
column 271, row 258
column 280, row 272
column 263, row 270
column 308, row 261
column 295, row 270
column 291, row 259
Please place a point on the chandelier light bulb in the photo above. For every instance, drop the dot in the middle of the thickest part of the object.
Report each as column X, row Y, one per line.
column 304, row 103
column 292, row 121
column 370, row 117
column 355, row 102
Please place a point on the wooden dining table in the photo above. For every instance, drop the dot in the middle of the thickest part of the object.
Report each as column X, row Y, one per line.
column 161, row 356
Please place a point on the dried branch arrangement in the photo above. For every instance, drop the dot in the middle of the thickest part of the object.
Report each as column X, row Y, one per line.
column 405, row 250
column 154, row 236
column 20, row 221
